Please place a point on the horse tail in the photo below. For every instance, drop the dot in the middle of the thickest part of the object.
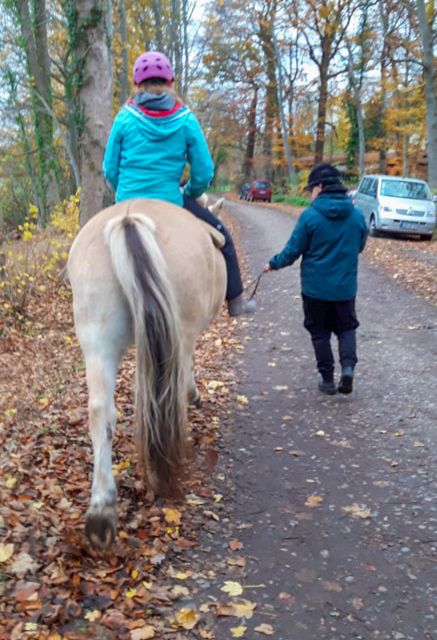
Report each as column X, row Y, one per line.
column 141, row 270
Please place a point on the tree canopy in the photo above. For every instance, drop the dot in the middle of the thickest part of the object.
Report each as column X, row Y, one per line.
column 278, row 85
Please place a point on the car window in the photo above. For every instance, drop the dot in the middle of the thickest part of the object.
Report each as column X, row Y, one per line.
column 262, row 185
column 363, row 186
column 406, row 189
column 371, row 191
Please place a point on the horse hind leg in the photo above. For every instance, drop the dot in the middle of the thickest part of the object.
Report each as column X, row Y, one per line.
column 102, row 350
column 193, row 393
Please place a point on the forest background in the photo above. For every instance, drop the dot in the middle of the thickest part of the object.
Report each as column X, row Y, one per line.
column 278, row 85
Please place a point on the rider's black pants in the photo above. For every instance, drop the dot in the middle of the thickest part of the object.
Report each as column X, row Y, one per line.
column 235, row 285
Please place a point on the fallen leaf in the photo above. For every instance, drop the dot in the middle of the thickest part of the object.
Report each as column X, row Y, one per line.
column 23, row 564
column 92, row 616
column 358, row 510
column 178, row 591
column 329, row 585
column 238, row 632
column 180, row 575
column 287, row 598
column 235, row 545
column 267, row 629
column 187, row 618
column 320, row 433
column 10, row 482
column 242, row 400
column 357, row 603
column 244, row 609
column 215, row 384
column 313, row 501
column 6, row 551
column 211, row 514
column 238, row 561
column 143, row 633
column 26, row 591
column 224, row 609
column 233, row 588
column 172, row 516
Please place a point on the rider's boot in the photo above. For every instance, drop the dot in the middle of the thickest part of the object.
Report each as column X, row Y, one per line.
column 238, row 306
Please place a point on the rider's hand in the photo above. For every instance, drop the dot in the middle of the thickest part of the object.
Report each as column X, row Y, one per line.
column 266, row 268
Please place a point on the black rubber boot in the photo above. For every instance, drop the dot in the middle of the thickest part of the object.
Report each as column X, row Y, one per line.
column 346, row 381
column 327, row 386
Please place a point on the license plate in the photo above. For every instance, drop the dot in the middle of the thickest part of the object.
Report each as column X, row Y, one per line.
column 408, row 225
column 262, row 192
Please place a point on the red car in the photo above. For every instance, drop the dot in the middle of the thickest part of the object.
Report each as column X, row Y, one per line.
column 260, row 190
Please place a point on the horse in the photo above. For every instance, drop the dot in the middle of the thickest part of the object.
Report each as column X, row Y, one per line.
column 148, row 273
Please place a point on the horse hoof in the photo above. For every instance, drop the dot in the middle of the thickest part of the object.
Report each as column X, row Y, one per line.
column 100, row 527
column 194, row 398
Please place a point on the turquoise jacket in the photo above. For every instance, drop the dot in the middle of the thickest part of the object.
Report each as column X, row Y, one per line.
column 328, row 235
column 146, row 155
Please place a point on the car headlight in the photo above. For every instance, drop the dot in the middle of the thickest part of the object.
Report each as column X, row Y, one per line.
column 385, row 210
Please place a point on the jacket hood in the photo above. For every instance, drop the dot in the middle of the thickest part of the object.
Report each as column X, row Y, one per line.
column 333, row 205
column 157, row 127
column 155, row 101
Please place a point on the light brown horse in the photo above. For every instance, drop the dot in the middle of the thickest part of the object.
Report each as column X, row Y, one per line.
column 145, row 272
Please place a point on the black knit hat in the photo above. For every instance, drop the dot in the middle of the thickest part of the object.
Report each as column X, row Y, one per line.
column 324, row 174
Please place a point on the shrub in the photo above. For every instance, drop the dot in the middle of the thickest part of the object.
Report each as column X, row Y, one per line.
column 36, row 258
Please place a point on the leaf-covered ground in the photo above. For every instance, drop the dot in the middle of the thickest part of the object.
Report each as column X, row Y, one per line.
column 52, row 585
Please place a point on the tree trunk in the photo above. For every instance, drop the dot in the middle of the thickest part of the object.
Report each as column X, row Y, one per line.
column 251, row 136
column 405, row 161
column 95, row 98
column 124, row 71
column 383, row 105
column 429, row 75
column 284, row 127
column 34, row 35
column 271, row 102
column 157, row 19
column 323, row 100
column 356, row 95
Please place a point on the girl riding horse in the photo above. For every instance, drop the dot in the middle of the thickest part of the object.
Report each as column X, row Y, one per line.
column 152, row 138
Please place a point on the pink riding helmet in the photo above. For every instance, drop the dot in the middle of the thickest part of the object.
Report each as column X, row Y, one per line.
column 152, row 64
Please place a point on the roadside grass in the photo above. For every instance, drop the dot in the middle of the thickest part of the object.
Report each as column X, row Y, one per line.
column 296, row 201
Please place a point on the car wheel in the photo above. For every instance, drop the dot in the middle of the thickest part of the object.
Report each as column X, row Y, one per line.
column 426, row 236
column 373, row 231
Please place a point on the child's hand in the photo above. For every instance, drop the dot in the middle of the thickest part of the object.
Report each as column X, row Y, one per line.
column 266, row 268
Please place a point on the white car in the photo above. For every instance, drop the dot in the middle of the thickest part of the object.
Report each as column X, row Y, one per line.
column 396, row 205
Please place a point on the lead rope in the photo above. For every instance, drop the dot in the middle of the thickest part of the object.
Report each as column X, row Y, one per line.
column 256, row 285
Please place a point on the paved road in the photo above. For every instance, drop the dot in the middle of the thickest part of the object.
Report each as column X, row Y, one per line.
column 333, row 498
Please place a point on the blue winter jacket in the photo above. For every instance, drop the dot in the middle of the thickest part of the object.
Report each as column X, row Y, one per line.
column 328, row 235
column 146, row 155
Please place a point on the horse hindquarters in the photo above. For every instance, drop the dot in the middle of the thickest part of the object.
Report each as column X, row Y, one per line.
column 160, row 377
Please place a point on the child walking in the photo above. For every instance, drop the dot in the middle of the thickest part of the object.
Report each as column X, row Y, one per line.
column 151, row 140
column 329, row 236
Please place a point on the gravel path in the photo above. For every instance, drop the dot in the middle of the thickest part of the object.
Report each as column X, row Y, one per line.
column 332, row 498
